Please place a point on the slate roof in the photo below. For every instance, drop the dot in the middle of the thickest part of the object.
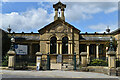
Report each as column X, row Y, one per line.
column 96, row 38
column 27, row 37
column 116, row 31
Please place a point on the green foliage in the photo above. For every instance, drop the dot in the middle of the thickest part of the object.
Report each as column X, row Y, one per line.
column 98, row 62
column 5, row 61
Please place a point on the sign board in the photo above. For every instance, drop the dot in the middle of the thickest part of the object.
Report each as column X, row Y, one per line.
column 59, row 58
column 21, row 49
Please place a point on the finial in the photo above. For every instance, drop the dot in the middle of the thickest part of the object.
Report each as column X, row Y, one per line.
column 9, row 29
column 108, row 29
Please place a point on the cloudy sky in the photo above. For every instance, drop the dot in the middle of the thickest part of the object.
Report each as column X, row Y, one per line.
column 86, row 16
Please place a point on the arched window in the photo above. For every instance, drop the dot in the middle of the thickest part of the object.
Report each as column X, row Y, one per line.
column 53, row 42
column 65, row 45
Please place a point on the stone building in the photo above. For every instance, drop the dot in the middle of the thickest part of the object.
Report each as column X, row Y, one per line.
column 62, row 38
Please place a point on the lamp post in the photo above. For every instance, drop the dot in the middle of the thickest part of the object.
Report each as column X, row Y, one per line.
column 12, row 44
column 11, row 53
column 111, row 59
column 111, row 44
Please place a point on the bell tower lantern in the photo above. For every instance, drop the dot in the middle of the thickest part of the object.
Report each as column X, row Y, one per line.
column 59, row 10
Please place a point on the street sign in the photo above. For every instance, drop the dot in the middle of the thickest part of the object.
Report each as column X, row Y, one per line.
column 21, row 49
column 59, row 58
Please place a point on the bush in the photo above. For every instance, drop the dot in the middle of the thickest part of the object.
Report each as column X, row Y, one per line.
column 5, row 61
column 98, row 62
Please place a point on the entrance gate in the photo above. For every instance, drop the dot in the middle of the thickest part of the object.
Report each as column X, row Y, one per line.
column 23, row 61
column 61, row 62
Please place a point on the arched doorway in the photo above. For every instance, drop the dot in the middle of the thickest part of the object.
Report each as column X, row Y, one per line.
column 65, row 45
column 53, row 46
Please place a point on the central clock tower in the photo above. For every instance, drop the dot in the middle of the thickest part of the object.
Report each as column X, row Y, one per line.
column 59, row 6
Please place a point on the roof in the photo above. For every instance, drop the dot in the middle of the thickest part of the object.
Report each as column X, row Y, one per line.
column 27, row 38
column 96, row 38
column 59, row 21
column 58, row 5
column 116, row 31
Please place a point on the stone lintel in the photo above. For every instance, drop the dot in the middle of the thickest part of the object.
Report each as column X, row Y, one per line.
column 48, row 42
column 10, row 52
column 83, row 54
column 88, row 44
column 112, row 53
column 59, row 42
column 97, row 44
column 38, row 54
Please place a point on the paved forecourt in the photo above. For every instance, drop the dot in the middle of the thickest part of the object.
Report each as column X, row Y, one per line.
column 52, row 74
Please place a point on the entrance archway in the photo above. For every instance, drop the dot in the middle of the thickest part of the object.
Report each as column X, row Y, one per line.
column 65, row 45
column 53, row 46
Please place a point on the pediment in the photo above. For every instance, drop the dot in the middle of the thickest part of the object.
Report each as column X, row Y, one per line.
column 58, row 26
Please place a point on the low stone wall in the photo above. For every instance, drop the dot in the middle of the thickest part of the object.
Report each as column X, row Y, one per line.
column 100, row 69
column 118, row 71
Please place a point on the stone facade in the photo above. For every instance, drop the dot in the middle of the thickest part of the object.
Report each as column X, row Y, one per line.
column 75, row 42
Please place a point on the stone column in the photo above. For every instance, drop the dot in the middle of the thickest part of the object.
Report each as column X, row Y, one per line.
column 62, row 14
column 106, row 51
column 38, row 59
column 97, row 50
column 57, row 48
column 88, row 53
column 11, row 59
column 56, row 14
column 69, row 48
column 83, row 59
column 60, row 48
column 111, row 63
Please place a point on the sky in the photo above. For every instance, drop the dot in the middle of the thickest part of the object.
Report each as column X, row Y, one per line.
column 86, row 16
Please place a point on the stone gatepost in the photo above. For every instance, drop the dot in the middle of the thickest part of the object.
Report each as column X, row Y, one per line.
column 84, row 59
column 38, row 59
column 111, row 63
column 11, row 59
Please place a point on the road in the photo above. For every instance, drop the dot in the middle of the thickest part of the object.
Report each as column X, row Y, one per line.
column 53, row 74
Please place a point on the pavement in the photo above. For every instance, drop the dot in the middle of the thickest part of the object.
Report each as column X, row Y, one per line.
column 52, row 74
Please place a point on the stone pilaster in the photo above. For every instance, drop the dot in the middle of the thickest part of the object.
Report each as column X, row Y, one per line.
column 38, row 59
column 83, row 59
column 48, row 47
column 11, row 59
column 111, row 63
